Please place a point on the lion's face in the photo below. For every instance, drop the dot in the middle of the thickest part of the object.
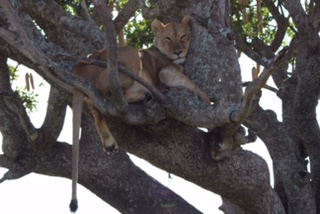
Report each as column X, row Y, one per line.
column 172, row 39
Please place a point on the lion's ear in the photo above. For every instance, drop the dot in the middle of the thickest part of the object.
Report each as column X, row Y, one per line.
column 186, row 20
column 157, row 26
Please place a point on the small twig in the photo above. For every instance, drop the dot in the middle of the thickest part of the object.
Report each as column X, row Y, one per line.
column 268, row 87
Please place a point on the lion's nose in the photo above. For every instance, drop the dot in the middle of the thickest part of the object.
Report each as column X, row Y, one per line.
column 178, row 52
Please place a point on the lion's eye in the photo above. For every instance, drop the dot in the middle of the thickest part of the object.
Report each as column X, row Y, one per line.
column 168, row 39
column 183, row 37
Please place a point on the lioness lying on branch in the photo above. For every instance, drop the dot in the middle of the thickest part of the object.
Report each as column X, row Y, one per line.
column 159, row 66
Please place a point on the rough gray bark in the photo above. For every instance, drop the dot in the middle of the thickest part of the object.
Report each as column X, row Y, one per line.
column 167, row 135
column 308, row 78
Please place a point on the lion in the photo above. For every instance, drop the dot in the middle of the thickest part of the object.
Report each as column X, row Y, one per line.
column 160, row 66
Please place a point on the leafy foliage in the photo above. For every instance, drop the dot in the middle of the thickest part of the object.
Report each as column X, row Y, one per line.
column 245, row 19
column 13, row 73
column 255, row 22
column 70, row 6
column 28, row 98
column 138, row 32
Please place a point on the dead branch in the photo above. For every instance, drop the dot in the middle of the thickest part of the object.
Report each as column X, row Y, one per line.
column 78, row 25
column 225, row 139
column 268, row 87
column 238, row 117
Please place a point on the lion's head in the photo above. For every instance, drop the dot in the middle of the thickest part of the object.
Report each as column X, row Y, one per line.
column 172, row 39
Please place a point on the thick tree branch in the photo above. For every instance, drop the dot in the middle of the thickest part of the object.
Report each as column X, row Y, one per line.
column 165, row 10
column 20, row 40
column 314, row 14
column 13, row 102
column 50, row 11
column 288, row 169
column 126, row 196
column 302, row 21
column 219, row 13
column 15, row 106
column 16, row 171
column 56, row 112
column 308, row 86
column 114, row 82
column 305, row 109
column 12, row 133
column 149, row 13
column 183, row 150
column 247, row 49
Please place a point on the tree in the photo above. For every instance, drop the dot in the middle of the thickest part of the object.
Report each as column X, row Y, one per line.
column 37, row 33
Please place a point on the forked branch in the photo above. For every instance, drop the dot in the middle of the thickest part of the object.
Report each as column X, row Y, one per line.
column 238, row 117
column 226, row 138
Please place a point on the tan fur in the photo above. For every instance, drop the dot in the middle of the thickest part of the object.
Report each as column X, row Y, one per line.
column 161, row 67
column 99, row 77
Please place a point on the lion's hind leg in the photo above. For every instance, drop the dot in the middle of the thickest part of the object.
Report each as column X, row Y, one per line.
column 108, row 142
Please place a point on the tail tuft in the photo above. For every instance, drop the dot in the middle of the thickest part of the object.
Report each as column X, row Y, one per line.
column 73, row 205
